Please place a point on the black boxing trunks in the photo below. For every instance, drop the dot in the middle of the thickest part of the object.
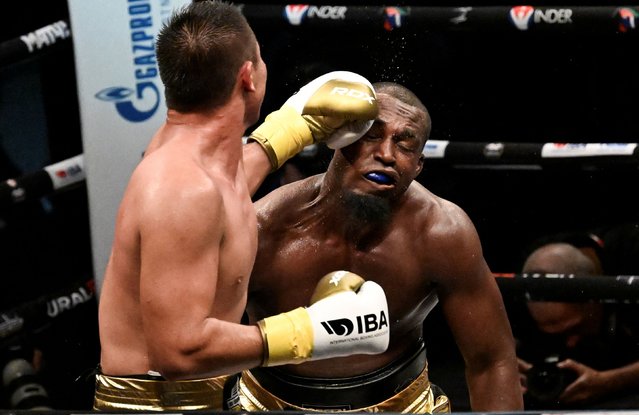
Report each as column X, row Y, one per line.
column 402, row 386
column 154, row 393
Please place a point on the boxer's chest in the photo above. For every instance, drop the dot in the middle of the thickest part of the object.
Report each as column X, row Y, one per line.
column 392, row 259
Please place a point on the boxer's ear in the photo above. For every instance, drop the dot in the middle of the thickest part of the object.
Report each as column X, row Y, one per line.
column 420, row 165
column 246, row 76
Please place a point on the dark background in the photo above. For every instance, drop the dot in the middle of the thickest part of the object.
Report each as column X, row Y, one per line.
column 489, row 84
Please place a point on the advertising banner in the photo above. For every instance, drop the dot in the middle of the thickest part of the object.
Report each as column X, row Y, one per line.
column 121, row 100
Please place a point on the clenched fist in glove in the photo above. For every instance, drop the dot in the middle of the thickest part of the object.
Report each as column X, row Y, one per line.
column 347, row 316
column 337, row 108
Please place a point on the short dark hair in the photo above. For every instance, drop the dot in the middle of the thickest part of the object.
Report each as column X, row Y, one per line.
column 406, row 96
column 200, row 50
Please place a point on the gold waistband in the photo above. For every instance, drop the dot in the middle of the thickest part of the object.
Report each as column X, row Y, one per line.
column 131, row 394
column 417, row 397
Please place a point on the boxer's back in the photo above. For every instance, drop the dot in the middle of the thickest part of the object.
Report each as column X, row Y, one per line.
column 124, row 343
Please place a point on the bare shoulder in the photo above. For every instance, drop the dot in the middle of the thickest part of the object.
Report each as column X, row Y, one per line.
column 174, row 189
column 443, row 218
column 286, row 198
column 451, row 242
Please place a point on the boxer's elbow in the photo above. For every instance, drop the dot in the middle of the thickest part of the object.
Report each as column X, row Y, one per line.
column 180, row 359
column 174, row 365
column 499, row 358
column 178, row 368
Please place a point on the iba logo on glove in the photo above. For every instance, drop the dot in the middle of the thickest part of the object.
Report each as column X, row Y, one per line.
column 365, row 324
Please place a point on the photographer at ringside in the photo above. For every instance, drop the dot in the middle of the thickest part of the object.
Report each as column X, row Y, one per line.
column 577, row 355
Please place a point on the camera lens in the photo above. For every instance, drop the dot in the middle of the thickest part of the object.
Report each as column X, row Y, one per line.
column 21, row 386
column 546, row 382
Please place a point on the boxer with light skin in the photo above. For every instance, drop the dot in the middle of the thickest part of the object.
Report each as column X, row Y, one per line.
column 175, row 286
column 369, row 215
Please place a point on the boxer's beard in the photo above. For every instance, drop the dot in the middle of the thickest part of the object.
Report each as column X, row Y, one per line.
column 367, row 209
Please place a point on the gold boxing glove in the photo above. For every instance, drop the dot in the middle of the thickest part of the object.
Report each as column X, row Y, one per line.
column 347, row 316
column 337, row 108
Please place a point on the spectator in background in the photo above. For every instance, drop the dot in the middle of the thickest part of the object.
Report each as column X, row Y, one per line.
column 582, row 355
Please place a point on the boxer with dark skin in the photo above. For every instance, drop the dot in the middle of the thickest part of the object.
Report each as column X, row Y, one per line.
column 369, row 215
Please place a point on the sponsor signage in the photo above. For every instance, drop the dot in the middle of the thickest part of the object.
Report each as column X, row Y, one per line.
column 121, row 101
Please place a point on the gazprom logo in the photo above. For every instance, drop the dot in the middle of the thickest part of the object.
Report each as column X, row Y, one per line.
column 139, row 102
column 130, row 103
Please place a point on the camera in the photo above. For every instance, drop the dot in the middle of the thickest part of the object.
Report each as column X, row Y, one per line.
column 21, row 387
column 546, row 382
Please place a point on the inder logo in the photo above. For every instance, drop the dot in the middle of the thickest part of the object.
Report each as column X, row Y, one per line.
column 294, row 13
column 520, row 16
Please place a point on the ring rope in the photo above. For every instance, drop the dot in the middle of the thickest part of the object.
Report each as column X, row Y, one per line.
column 38, row 313
column 32, row 43
column 31, row 186
column 522, row 153
column 504, row 155
column 617, row 289
column 607, row 19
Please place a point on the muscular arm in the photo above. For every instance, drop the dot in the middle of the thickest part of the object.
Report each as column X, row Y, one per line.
column 256, row 165
column 181, row 235
column 474, row 309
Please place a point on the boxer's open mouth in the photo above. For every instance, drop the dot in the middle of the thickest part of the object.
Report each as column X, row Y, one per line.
column 380, row 178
